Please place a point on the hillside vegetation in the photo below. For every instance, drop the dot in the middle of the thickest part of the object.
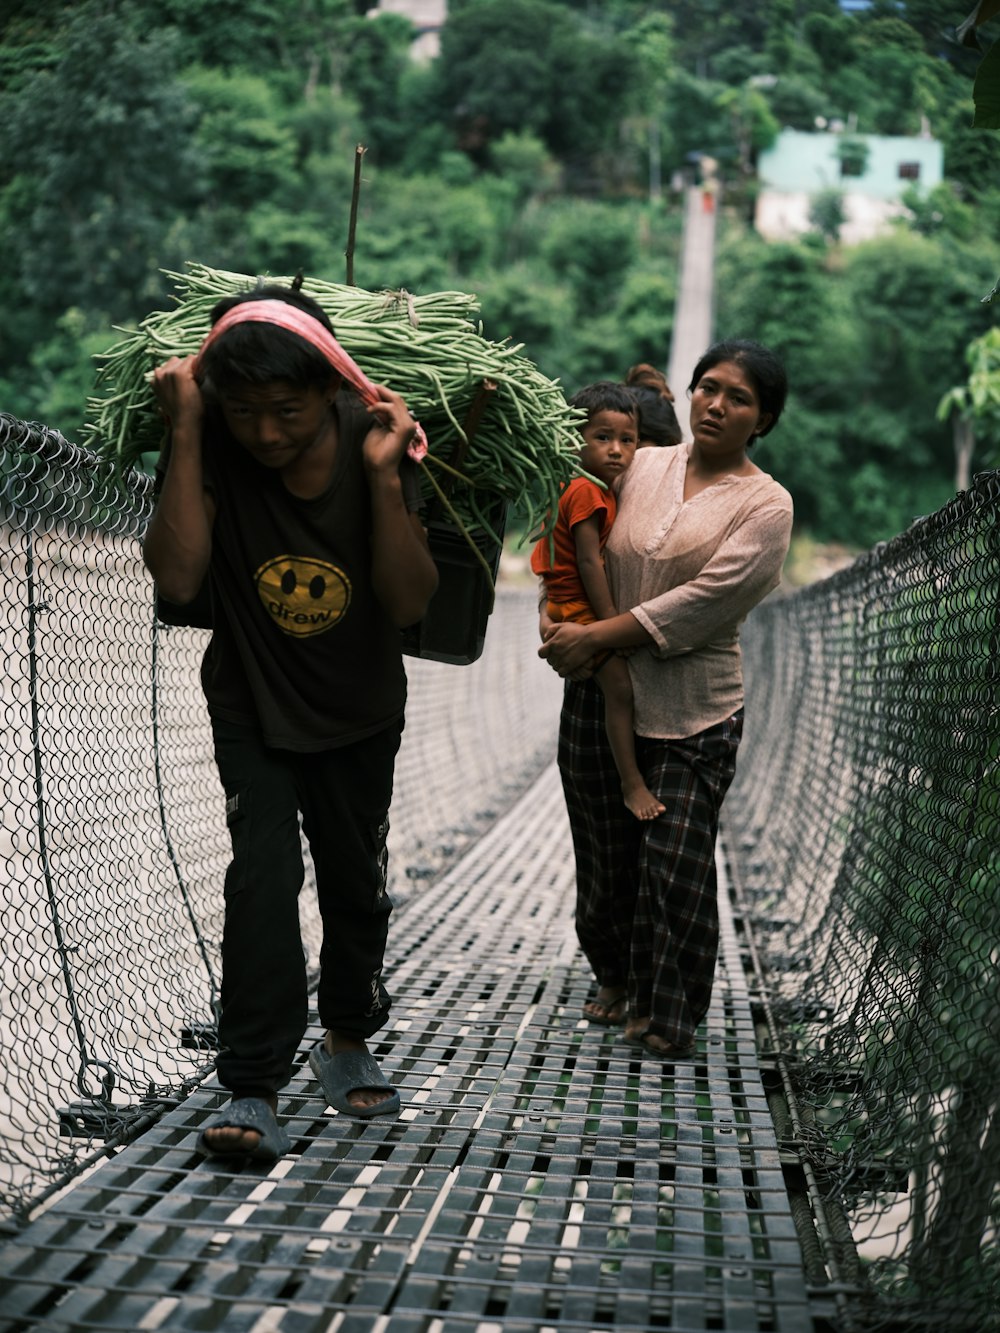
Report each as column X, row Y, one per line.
column 532, row 164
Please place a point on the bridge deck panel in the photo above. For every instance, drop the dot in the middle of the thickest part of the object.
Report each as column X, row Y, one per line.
column 541, row 1176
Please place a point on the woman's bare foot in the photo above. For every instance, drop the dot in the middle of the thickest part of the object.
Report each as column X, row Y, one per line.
column 635, row 1029
column 230, row 1139
column 609, row 1006
column 637, row 1032
column 641, row 801
column 656, row 1043
column 335, row 1042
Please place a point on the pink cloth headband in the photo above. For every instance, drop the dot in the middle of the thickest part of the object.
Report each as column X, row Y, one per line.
column 290, row 317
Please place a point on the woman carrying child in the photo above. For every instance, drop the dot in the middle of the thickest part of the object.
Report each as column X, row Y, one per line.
column 700, row 538
column 571, row 566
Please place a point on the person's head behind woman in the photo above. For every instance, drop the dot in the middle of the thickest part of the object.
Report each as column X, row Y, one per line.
column 762, row 367
column 645, row 376
column 658, row 424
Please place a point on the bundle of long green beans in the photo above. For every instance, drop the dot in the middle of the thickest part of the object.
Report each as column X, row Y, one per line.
column 428, row 348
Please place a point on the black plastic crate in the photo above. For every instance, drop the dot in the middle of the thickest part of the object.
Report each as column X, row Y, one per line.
column 454, row 628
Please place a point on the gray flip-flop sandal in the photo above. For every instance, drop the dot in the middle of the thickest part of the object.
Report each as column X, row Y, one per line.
column 347, row 1072
column 248, row 1113
column 672, row 1055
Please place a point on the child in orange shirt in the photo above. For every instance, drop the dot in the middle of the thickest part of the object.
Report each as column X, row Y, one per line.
column 572, row 565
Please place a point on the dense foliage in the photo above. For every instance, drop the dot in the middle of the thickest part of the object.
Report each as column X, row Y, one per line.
column 532, row 164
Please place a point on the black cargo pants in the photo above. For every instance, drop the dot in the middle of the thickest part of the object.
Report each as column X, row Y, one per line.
column 343, row 796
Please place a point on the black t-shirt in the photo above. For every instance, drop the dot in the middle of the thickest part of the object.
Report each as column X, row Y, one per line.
column 301, row 646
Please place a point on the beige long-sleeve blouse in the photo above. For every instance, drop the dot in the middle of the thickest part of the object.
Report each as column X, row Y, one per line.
column 690, row 571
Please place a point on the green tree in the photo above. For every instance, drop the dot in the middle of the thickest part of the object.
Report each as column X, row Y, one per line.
column 524, row 303
column 871, row 337
column 783, row 295
column 97, row 159
column 752, row 126
column 229, row 34
column 28, row 34
column 245, row 154
column 645, row 313
column 706, row 29
column 907, row 361
column 271, row 240
column 971, row 155
column 298, row 42
column 894, row 83
column 414, row 234
column 696, row 120
column 940, row 211
column 60, row 375
column 386, row 89
column 974, row 406
column 651, row 41
column 832, row 37
column 591, row 246
column 529, row 65
column 826, row 213
column 796, row 103
column 523, row 161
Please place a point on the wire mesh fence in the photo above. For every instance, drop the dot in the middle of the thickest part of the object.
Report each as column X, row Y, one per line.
column 862, row 826
column 864, row 822
column 113, row 841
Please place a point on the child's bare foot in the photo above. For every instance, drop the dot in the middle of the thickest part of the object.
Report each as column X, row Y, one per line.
column 335, row 1043
column 609, row 1006
column 641, row 801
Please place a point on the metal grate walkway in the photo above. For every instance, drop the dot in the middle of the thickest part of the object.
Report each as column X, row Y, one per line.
column 540, row 1178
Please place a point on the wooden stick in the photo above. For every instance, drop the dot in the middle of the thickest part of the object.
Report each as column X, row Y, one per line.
column 461, row 447
column 359, row 153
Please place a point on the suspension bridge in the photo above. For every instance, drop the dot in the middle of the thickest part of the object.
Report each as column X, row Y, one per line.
column 828, row 1161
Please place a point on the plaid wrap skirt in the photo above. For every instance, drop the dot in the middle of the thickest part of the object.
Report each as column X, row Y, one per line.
column 646, row 912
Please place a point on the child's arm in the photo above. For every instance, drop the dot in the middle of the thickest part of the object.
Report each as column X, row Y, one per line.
column 178, row 544
column 545, row 623
column 570, row 647
column 590, row 564
column 403, row 572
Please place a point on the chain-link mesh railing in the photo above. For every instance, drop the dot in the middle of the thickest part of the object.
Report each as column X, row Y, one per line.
column 862, row 831
column 113, row 843
column 865, row 827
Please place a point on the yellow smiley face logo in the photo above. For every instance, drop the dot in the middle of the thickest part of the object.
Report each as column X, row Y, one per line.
column 303, row 596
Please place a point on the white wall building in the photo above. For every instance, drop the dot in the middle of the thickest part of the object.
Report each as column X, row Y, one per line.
column 800, row 165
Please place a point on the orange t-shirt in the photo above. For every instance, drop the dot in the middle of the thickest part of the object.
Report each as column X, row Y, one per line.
column 581, row 498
